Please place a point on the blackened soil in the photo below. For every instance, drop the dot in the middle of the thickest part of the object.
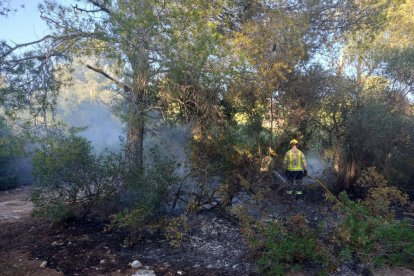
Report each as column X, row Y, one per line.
column 214, row 247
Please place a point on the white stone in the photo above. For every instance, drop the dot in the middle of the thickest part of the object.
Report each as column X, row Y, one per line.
column 144, row 272
column 179, row 272
column 102, row 261
column 43, row 264
column 136, row 264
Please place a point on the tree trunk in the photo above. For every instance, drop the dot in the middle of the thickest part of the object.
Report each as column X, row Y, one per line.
column 271, row 123
column 135, row 138
column 347, row 169
column 136, row 113
column 351, row 173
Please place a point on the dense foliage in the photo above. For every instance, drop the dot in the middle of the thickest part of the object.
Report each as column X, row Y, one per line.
column 362, row 236
column 11, row 148
column 72, row 181
column 244, row 78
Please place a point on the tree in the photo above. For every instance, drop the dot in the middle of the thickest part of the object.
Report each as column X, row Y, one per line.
column 220, row 63
column 137, row 35
column 5, row 8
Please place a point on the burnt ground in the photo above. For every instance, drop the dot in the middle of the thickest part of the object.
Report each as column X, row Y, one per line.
column 84, row 248
column 214, row 245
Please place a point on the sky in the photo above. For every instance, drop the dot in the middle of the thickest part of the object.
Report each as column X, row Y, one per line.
column 23, row 25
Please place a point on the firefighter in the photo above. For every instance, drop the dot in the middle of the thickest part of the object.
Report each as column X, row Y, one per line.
column 295, row 168
column 268, row 162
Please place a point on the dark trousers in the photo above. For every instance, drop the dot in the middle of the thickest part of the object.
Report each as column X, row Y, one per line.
column 294, row 179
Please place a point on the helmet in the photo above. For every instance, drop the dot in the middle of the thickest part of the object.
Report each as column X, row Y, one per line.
column 293, row 142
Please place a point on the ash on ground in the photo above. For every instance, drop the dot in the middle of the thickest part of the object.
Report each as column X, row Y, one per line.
column 214, row 246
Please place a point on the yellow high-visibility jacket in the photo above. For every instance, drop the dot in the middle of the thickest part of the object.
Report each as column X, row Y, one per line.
column 294, row 161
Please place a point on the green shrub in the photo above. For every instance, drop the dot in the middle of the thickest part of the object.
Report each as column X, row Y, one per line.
column 10, row 148
column 363, row 235
column 150, row 189
column 70, row 180
column 372, row 238
column 395, row 244
column 137, row 222
column 175, row 230
column 145, row 197
column 290, row 247
column 386, row 142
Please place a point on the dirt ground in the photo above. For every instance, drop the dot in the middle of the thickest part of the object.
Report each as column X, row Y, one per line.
column 84, row 248
column 14, row 205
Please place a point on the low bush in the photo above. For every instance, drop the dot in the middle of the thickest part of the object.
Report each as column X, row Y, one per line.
column 175, row 230
column 137, row 222
column 151, row 188
column 371, row 238
column 145, row 197
column 290, row 247
column 11, row 147
column 366, row 234
column 72, row 181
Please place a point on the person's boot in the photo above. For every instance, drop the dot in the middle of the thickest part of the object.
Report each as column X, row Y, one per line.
column 298, row 196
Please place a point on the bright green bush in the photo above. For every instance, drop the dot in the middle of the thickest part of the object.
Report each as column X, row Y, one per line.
column 363, row 235
column 372, row 239
column 71, row 180
column 290, row 247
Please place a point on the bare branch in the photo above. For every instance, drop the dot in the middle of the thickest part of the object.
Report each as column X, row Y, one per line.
column 100, row 5
column 34, row 57
column 106, row 75
column 84, row 10
column 17, row 46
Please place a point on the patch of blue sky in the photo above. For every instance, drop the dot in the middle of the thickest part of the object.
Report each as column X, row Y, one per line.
column 23, row 25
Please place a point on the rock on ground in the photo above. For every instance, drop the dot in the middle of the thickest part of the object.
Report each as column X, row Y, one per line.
column 144, row 272
column 136, row 264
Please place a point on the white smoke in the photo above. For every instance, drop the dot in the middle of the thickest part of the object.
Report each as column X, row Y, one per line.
column 103, row 128
column 316, row 165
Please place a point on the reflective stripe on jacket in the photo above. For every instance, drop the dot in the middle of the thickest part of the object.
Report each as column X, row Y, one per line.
column 294, row 161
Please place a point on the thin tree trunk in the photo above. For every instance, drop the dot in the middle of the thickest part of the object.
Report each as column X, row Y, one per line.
column 271, row 122
column 136, row 116
column 347, row 169
column 135, row 138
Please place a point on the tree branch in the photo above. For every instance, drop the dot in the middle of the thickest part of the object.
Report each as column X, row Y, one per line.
column 84, row 10
column 17, row 46
column 34, row 57
column 100, row 5
column 120, row 84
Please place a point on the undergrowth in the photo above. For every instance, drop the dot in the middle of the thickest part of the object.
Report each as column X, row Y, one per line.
column 366, row 234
